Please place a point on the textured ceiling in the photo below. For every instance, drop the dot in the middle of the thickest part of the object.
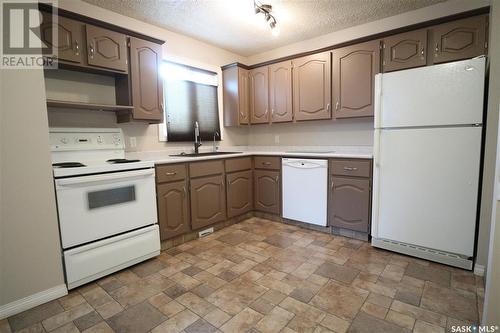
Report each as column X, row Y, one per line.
column 232, row 24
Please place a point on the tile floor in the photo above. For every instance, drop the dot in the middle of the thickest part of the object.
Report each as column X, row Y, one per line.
column 263, row 276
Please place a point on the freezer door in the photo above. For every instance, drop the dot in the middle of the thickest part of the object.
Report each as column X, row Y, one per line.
column 446, row 94
column 426, row 187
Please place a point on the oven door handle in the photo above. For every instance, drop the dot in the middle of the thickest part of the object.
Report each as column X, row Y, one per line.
column 104, row 178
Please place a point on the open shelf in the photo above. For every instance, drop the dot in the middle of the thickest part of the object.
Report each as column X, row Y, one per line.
column 88, row 106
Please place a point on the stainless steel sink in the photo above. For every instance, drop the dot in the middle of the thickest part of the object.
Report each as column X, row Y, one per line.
column 211, row 153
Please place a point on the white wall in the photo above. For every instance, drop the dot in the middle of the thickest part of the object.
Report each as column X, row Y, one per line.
column 29, row 235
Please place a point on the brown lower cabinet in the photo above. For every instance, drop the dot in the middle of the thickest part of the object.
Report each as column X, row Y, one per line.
column 239, row 193
column 267, row 191
column 350, row 203
column 208, row 201
column 173, row 209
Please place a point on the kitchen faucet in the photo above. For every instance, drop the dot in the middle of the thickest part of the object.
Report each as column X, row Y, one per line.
column 197, row 141
column 216, row 134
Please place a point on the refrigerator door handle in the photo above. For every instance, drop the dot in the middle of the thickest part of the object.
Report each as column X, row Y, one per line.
column 376, row 148
column 378, row 100
column 375, row 184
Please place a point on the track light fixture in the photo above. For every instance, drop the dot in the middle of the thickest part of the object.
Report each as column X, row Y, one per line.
column 266, row 10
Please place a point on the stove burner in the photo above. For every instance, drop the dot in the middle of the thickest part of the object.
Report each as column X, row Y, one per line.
column 68, row 165
column 121, row 160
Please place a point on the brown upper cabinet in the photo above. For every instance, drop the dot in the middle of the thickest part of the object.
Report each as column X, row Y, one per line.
column 312, row 87
column 106, row 48
column 459, row 39
column 406, row 50
column 70, row 40
column 259, row 95
column 235, row 82
column 280, row 91
column 145, row 80
column 354, row 69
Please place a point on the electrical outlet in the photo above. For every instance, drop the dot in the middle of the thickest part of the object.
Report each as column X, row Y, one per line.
column 133, row 142
column 276, row 139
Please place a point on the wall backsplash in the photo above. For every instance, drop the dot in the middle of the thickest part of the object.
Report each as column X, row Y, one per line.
column 352, row 132
column 146, row 135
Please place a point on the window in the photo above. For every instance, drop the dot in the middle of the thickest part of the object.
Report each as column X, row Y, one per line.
column 190, row 95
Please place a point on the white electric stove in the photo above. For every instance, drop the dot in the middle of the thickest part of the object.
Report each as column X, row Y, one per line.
column 106, row 203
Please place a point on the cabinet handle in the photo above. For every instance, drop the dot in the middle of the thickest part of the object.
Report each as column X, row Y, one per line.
column 350, row 169
column 161, row 107
column 184, row 190
column 173, row 173
column 221, row 186
column 266, row 163
column 422, row 52
column 77, row 48
column 328, row 107
column 91, row 51
column 437, row 48
column 337, row 105
column 277, row 179
column 332, row 184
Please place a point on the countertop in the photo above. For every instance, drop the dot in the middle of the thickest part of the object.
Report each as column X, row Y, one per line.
column 163, row 157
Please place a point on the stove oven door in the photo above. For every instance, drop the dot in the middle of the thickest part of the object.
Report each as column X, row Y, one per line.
column 94, row 207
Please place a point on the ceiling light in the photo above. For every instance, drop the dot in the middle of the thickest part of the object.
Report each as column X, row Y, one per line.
column 266, row 10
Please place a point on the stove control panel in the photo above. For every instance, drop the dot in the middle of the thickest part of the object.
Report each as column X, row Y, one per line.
column 64, row 139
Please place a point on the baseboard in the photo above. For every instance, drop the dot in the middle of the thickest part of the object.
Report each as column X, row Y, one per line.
column 31, row 301
column 479, row 270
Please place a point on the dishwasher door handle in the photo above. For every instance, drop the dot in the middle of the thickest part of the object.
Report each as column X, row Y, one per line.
column 303, row 165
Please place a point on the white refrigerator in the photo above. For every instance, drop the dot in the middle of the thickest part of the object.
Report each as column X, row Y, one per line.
column 427, row 152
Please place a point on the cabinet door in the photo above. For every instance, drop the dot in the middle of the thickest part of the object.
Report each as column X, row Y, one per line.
column 406, row 50
column 173, row 213
column 239, row 193
column 267, row 194
column 69, row 34
column 146, row 84
column 350, row 203
column 354, row 69
column 312, row 87
column 208, row 201
column 243, row 92
column 280, row 91
column 106, row 48
column 259, row 94
column 459, row 39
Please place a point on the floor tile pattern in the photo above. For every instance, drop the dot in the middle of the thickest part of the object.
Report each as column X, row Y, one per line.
column 264, row 276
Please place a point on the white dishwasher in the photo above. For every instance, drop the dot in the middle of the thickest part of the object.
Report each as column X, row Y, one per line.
column 305, row 187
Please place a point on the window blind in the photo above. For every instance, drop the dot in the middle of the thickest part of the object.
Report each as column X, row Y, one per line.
column 190, row 96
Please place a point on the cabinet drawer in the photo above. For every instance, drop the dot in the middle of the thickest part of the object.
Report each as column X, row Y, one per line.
column 200, row 169
column 170, row 172
column 238, row 164
column 358, row 168
column 267, row 162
